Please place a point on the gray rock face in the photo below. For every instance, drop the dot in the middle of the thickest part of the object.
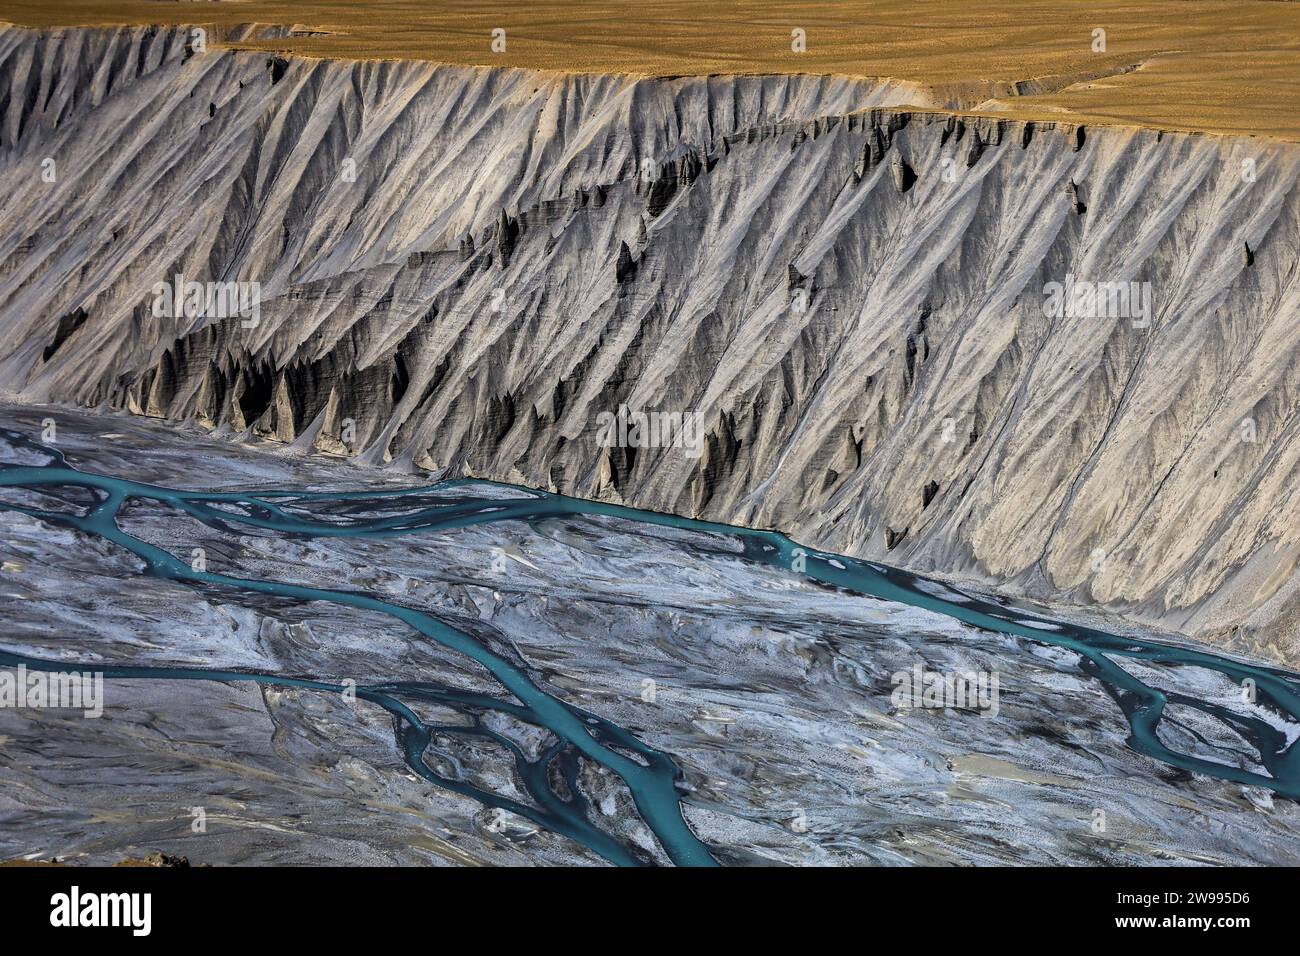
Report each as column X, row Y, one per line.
column 464, row 269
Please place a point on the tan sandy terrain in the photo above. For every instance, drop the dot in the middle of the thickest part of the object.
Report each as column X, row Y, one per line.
column 1224, row 66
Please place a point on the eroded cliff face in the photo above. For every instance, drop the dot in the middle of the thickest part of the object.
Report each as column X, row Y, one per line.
column 463, row 268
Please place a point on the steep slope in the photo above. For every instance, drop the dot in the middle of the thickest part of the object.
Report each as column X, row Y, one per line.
column 463, row 268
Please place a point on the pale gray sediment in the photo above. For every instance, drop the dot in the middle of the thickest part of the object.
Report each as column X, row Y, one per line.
column 773, row 694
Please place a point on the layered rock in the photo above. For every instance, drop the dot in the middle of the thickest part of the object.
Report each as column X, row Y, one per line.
column 462, row 269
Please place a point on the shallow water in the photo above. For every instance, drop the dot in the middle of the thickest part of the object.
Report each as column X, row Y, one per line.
column 652, row 777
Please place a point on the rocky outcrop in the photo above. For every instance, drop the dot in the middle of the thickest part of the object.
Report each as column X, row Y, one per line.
column 463, row 268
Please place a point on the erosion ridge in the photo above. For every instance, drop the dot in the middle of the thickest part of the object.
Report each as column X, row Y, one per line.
column 464, row 267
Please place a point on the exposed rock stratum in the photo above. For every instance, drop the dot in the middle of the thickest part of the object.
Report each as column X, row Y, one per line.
column 460, row 268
